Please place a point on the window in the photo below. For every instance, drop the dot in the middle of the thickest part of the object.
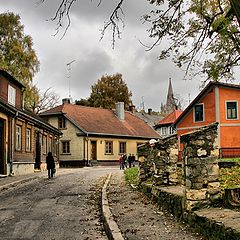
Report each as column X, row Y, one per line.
column 61, row 123
column 232, row 110
column 198, row 113
column 164, row 131
column 50, row 145
column 28, row 139
column 65, row 147
column 122, row 147
column 108, row 147
column 44, row 144
column 18, row 137
column 172, row 130
column 11, row 95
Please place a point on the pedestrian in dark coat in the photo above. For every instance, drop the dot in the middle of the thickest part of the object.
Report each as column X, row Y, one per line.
column 133, row 160
column 129, row 160
column 50, row 165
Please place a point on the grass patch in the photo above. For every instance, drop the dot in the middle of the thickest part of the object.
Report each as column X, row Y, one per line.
column 229, row 160
column 131, row 175
column 230, row 177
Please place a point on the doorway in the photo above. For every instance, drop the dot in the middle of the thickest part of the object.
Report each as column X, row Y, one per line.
column 38, row 152
column 2, row 148
column 93, row 156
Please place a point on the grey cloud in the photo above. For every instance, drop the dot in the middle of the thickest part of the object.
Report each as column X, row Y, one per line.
column 143, row 73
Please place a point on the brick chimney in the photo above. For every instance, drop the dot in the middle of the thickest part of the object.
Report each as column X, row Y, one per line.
column 150, row 111
column 66, row 100
column 132, row 108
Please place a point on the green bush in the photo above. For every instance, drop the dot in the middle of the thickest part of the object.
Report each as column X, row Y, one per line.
column 131, row 175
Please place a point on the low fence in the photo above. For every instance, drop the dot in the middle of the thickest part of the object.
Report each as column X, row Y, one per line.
column 229, row 152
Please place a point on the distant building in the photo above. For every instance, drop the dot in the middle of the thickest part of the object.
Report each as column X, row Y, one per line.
column 149, row 117
column 165, row 126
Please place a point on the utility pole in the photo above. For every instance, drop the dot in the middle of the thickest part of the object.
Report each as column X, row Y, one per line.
column 69, row 68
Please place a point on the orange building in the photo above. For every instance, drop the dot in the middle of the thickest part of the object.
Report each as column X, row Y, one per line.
column 217, row 102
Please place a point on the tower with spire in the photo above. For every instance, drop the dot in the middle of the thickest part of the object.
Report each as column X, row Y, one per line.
column 170, row 105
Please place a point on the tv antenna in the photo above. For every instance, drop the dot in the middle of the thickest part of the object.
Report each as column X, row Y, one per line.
column 69, row 68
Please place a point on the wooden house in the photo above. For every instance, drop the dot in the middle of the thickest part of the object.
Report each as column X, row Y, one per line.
column 25, row 138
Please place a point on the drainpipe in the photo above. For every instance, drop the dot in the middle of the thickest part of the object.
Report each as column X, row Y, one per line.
column 217, row 107
column 87, row 152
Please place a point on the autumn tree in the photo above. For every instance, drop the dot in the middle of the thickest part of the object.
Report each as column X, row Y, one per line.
column 17, row 55
column 200, row 33
column 109, row 90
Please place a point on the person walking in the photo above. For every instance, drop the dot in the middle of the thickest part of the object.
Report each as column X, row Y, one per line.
column 50, row 165
column 125, row 160
column 120, row 161
column 129, row 160
column 133, row 160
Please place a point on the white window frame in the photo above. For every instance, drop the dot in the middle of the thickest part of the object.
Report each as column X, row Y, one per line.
column 28, row 139
column 67, row 147
column 18, row 137
column 172, row 130
column 108, row 149
column 230, row 101
column 164, row 131
column 11, row 95
column 195, row 114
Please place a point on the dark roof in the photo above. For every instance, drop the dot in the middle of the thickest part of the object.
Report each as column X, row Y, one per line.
column 150, row 119
column 103, row 121
column 11, row 78
column 170, row 118
column 208, row 87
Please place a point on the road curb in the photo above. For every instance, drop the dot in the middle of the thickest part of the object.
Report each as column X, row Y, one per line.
column 111, row 227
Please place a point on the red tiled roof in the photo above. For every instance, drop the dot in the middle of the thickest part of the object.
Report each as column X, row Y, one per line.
column 104, row 121
column 170, row 118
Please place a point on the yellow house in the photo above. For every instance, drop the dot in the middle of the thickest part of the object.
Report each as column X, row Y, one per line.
column 96, row 134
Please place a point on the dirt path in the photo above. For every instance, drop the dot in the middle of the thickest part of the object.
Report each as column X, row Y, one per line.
column 138, row 219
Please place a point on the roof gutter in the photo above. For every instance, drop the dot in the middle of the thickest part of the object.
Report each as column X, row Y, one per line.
column 117, row 135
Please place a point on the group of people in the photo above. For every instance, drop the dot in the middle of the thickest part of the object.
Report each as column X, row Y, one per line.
column 126, row 161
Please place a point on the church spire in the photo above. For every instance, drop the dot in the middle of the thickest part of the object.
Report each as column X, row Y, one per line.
column 170, row 104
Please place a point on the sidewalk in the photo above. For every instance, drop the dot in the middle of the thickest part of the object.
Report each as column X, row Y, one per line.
column 138, row 218
column 12, row 181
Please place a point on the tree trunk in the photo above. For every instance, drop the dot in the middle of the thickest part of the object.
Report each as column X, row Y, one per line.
column 232, row 197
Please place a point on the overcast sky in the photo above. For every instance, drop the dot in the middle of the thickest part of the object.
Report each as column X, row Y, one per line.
column 145, row 76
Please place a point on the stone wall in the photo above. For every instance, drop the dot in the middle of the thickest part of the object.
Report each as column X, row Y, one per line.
column 200, row 165
column 160, row 162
